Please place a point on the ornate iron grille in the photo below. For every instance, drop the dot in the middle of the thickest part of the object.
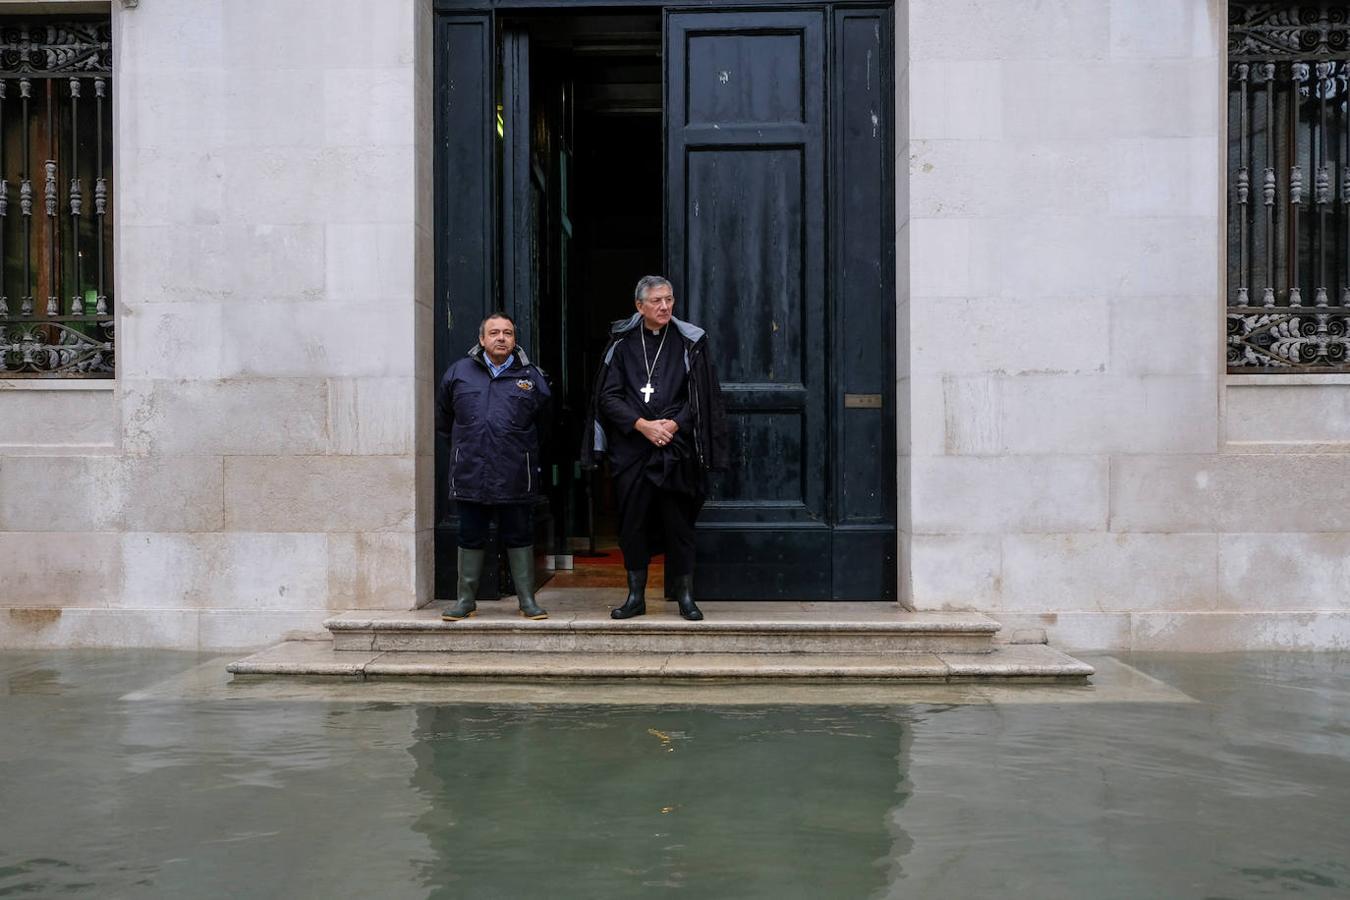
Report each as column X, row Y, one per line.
column 56, row 315
column 1289, row 187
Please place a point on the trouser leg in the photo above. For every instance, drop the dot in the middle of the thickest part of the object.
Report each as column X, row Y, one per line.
column 635, row 499
column 474, row 519
column 678, row 513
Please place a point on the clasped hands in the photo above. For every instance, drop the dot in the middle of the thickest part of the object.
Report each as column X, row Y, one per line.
column 660, row 432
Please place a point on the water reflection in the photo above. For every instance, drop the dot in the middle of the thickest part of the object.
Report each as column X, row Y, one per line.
column 1242, row 793
column 607, row 802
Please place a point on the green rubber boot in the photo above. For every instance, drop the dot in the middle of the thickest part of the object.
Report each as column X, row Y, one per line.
column 466, row 587
column 521, row 560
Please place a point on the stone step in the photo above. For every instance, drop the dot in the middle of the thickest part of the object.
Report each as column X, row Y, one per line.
column 580, row 623
column 1028, row 663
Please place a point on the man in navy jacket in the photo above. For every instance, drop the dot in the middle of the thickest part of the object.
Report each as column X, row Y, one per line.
column 490, row 408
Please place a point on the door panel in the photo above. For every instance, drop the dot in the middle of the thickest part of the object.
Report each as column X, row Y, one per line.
column 746, row 148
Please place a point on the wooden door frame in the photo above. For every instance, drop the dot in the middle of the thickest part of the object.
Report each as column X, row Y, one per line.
column 880, row 535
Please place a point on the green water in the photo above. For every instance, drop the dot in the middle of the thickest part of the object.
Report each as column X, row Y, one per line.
column 1239, row 788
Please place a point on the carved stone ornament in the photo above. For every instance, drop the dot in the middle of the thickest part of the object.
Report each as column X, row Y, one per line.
column 59, row 48
column 1263, row 31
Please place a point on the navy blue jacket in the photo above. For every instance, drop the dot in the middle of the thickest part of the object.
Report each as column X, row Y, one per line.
column 493, row 427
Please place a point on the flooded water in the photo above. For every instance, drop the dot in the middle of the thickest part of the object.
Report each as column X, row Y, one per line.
column 137, row 774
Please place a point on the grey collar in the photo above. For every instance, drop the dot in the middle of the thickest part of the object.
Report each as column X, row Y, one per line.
column 689, row 331
column 477, row 352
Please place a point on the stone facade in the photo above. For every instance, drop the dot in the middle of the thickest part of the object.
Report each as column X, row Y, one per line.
column 1073, row 457
column 258, row 462
column 1078, row 459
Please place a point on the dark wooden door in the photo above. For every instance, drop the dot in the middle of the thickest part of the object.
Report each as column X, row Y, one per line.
column 749, row 231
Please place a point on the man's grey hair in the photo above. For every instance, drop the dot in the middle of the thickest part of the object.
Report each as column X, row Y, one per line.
column 647, row 282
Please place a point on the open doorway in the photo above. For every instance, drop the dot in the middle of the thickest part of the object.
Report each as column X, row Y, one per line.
column 589, row 94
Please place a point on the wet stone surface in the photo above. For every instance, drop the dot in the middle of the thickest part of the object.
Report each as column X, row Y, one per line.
column 147, row 774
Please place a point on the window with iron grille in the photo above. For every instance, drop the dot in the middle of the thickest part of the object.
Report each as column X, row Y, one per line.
column 56, row 309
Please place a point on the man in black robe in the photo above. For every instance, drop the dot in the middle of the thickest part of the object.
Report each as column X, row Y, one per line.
column 657, row 413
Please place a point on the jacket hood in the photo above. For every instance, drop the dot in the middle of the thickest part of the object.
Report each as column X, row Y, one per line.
column 689, row 331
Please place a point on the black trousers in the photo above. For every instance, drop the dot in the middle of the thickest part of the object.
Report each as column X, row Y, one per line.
column 515, row 521
column 652, row 520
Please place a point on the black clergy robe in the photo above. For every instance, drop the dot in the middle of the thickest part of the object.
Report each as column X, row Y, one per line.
column 659, row 490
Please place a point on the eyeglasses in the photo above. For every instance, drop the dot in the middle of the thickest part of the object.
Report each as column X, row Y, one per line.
column 659, row 301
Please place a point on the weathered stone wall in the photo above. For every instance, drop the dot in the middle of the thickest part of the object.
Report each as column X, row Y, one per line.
column 260, row 459
column 1079, row 461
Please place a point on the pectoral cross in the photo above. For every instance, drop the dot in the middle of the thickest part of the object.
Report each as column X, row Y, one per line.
column 647, row 391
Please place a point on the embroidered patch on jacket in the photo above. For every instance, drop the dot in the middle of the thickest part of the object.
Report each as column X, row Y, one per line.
column 525, row 384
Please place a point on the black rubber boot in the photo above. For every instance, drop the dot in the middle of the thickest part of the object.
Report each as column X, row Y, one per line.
column 636, row 604
column 521, row 561
column 684, row 597
column 466, row 586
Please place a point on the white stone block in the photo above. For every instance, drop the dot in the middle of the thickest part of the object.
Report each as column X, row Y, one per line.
column 1165, row 335
column 273, row 107
column 925, row 426
column 317, row 184
column 368, row 262
column 1223, row 632
column 1149, row 29
column 74, row 419
column 1256, row 493
column 1037, row 494
column 368, row 107
column 1010, row 336
column 222, row 262
column 972, row 29
column 1162, row 256
column 955, row 571
column 266, row 416
column 958, row 178
column 1164, row 177
column 374, row 416
column 173, row 38
column 373, row 570
column 343, row 340
column 961, row 99
column 233, row 629
column 1072, row 631
column 941, row 263
column 319, row 494
column 1109, row 572
column 1033, row 414
column 60, row 493
column 265, row 34
column 1274, row 412
column 227, row 571
column 77, row 628
column 185, row 110
column 170, row 340
column 174, row 493
column 1050, row 99
column 59, row 569
column 143, row 174
column 1284, row 571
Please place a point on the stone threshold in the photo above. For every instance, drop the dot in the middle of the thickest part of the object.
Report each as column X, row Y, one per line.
column 1020, row 663
column 580, row 623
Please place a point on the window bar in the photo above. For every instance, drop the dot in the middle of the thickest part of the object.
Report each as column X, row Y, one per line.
column 1268, row 185
column 26, row 205
column 1300, row 75
column 1345, row 192
column 1322, row 184
column 50, row 197
column 1243, row 187
column 4, row 204
column 76, row 200
column 100, row 196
